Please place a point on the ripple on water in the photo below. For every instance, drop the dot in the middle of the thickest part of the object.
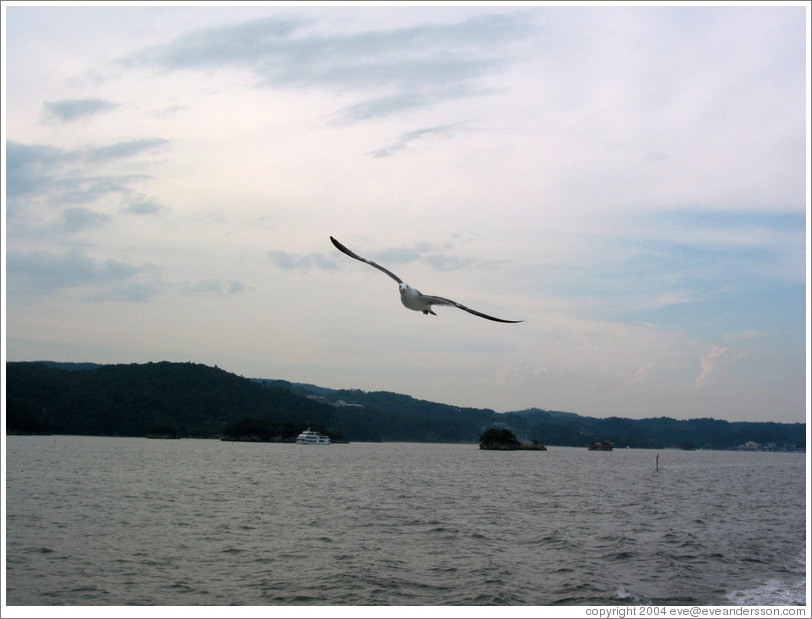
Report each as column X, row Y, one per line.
column 131, row 521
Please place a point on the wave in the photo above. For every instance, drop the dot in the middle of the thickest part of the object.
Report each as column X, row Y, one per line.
column 787, row 590
column 627, row 597
column 774, row 592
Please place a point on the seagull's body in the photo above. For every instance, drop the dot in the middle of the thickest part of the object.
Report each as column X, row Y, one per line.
column 413, row 298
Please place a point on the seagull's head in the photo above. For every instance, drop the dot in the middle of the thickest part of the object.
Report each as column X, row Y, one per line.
column 407, row 291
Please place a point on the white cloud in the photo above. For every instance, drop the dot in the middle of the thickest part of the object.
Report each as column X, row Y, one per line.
column 289, row 261
column 713, row 361
column 641, row 377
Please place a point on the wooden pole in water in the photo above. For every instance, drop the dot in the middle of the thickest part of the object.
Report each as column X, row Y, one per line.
column 658, row 462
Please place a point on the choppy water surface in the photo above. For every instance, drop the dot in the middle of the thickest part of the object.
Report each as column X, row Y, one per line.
column 115, row 521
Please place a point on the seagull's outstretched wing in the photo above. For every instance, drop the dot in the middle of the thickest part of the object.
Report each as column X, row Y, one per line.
column 443, row 301
column 412, row 298
column 369, row 262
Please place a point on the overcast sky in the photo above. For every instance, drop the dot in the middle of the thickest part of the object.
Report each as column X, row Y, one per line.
column 629, row 181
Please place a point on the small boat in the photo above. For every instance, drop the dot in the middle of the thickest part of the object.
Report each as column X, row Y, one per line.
column 309, row 437
column 601, row 446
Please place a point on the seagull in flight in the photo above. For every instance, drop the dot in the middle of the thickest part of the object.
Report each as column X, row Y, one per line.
column 412, row 298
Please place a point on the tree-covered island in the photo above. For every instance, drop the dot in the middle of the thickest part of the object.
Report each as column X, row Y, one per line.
column 504, row 440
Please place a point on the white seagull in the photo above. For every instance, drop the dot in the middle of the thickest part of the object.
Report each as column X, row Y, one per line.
column 412, row 298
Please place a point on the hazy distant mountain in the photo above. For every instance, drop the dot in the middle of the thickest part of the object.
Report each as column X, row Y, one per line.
column 548, row 414
column 198, row 400
column 302, row 389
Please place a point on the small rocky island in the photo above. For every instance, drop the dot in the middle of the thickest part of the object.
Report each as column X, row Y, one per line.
column 505, row 440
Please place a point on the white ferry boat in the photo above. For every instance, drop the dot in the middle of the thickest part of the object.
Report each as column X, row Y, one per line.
column 309, row 437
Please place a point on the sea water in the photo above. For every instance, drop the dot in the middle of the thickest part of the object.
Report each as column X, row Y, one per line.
column 130, row 521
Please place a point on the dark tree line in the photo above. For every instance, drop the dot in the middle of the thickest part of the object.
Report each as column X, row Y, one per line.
column 202, row 401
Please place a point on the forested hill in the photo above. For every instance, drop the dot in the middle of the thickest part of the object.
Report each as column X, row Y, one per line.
column 201, row 401
column 132, row 400
column 196, row 401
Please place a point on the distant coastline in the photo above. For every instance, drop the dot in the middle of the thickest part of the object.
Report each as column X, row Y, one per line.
column 196, row 400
